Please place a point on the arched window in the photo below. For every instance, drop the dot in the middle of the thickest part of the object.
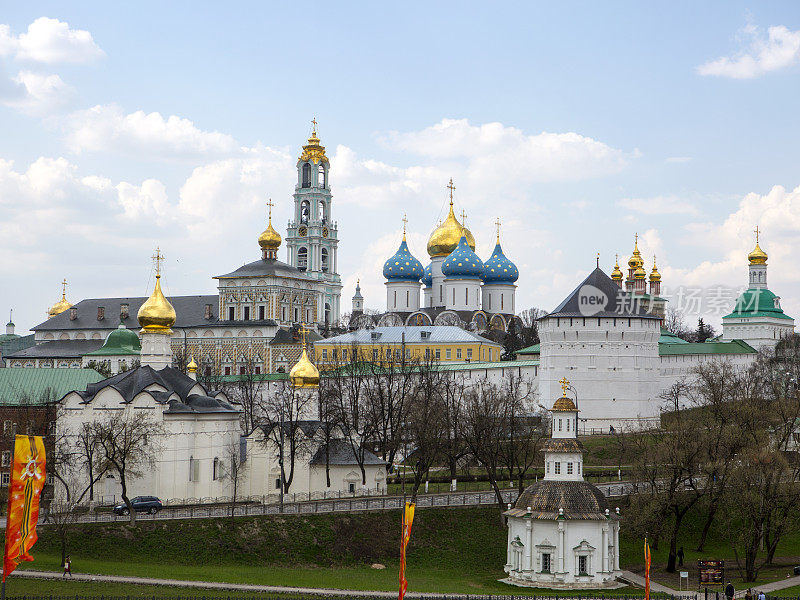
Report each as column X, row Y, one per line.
column 322, row 215
column 327, row 313
column 216, row 472
column 321, row 176
column 306, row 175
column 305, row 211
column 302, row 258
column 324, row 260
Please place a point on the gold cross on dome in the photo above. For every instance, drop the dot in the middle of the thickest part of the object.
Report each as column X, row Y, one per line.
column 451, row 187
column 463, row 217
column 157, row 258
column 303, row 334
column 497, row 223
column 405, row 222
column 314, row 123
column 564, row 385
column 270, row 204
column 64, row 288
column 757, row 232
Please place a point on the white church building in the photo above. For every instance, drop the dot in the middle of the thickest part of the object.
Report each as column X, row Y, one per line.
column 561, row 532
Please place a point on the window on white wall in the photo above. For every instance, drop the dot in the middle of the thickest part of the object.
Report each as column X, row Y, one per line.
column 557, row 467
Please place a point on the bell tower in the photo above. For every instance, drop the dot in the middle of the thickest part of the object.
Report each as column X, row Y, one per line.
column 312, row 237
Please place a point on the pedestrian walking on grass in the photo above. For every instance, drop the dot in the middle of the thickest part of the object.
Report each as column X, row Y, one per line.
column 67, row 567
column 680, row 558
column 748, row 595
column 762, row 596
column 729, row 591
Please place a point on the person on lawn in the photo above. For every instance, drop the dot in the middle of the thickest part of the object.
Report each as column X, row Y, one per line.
column 729, row 591
column 67, row 567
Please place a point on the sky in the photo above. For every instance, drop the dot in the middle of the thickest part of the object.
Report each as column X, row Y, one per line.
column 577, row 124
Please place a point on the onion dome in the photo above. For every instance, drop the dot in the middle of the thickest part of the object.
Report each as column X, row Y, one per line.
column 121, row 341
column 463, row 263
column 304, row 374
column 402, row 266
column 498, row 269
column 757, row 256
column 62, row 304
column 564, row 404
column 313, row 151
column 192, row 366
column 636, row 261
column 157, row 315
column 640, row 273
column 654, row 274
column 269, row 240
column 446, row 236
column 427, row 276
column 616, row 274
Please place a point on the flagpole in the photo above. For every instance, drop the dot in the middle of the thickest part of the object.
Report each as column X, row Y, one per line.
column 10, row 475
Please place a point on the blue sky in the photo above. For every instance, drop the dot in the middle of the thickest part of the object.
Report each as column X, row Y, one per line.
column 578, row 124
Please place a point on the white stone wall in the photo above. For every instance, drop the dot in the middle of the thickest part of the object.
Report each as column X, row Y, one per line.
column 759, row 332
column 402, row 296
column 497, row 298
column 437, row 277
column 564, row 540
column 462, row 294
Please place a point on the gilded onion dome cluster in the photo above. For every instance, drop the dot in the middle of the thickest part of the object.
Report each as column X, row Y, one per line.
column 463, row 263
column 402, row 266
column 446, row 236
column 498, row 269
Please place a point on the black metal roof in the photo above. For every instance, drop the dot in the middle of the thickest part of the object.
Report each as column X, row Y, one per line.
column 292, row 336
column 578, row 499
column 265, row 267
column 190, row 311
column 131, row 383
column 341, row 453
column 599, row 296
column 59, row 349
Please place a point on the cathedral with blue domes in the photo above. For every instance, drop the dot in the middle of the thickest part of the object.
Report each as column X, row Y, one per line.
column 458, row 288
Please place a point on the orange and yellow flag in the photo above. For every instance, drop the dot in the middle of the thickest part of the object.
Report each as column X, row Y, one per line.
column 408, row 519
column 646, row 570
column 24, row 491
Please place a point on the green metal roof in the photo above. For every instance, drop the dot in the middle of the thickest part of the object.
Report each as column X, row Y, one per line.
column 121, row 341
column 732, row 347
column 667, row 337
column 755, row 302
column 530, row 349
column 41, row 385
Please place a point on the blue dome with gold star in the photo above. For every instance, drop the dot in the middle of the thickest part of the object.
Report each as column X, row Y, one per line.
column 402, row 266
column 463, row 263
column 498, row 269
column 427, row 276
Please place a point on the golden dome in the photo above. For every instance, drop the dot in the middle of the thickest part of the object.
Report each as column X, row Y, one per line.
column 654, row 274
column 313, row 151
column 304, row 374
column 616, row 274
column 157, row 315
column 62, row 304
column 757, row 256
column 446, row 236
column 636, row 261
column 640, row 273
column 564, row 404
column 269, row 239
column 192, row 366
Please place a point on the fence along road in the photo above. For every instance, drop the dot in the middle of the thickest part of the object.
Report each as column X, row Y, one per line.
column 333, row 505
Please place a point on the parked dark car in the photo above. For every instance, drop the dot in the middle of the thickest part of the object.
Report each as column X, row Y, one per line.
column 148, row 504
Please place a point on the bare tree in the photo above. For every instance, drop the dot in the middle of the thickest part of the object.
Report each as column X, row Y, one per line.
column 246, row 390
column 283, row 413
column 128, row 444
column 235, row 469
column 529, row 329
column 675, row 322
column 453, row 447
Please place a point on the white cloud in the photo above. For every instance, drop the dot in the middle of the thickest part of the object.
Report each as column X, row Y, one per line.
column 780, row 49
column 496, row 151
column 107, row 127
column 148, row 199
column 49, row 41
column 34, row 93
column 659, row 205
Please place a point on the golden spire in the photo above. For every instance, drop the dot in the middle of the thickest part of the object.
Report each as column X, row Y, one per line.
column 405, row 221
column 616, row 274
column 304, row 374
column 497, row 223
column 157, row 315
column 757, row 256
column 446, row 236
column 654, row 274
column 636, row 261
column 192, row 366
column 313, row 151
column 270, row 240
column 62, row 304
